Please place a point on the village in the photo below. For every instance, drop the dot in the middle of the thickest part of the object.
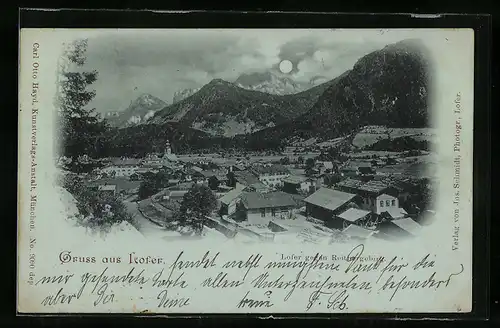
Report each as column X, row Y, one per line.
column 284, row 199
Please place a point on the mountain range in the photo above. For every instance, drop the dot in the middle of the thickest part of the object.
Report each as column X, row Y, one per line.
column 266, row 81
column 222, row 108
column 139, row 111
column 388, row 87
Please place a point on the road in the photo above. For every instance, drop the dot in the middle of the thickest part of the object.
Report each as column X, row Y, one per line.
column 146, row 227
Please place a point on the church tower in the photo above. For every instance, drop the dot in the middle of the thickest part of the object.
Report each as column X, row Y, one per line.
column 168, row 149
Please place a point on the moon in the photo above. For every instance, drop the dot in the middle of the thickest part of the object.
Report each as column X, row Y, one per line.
column 286, row 66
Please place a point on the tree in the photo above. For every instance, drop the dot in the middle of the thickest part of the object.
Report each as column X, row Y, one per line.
column 332, row 179
column 97, row 210
column 284, row 161
column 231, row 179
column 82, row 129
column 152, row 183
column 147, row 188
column 196, row 204
column 310, row 163
column 240, row 213
column 300, row 160
column 213, row 182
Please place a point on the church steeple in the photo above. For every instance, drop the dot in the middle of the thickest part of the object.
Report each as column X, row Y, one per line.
column 168, row 149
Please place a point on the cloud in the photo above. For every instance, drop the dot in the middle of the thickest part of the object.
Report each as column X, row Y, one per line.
column 161, row 62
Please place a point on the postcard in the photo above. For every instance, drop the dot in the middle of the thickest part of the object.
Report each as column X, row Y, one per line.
column 236, row 171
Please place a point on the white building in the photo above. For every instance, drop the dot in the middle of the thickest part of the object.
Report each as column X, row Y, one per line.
column 122, row 167
column 376, row 196
column 263, row 207
column 297, row 184
column 110, row 189
column 271, row 175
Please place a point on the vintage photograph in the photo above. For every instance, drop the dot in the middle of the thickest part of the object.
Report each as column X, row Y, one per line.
column 225, row 134
column 245, row 171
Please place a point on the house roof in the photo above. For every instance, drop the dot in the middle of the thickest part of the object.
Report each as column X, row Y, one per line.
column 258, row 186
column 370, row 187
column 350, row 183
column 210, row 173
column 328, row 165
column 329, row 198
column 125, row 162
column 240, row 167
column 273, row 169
column 196, row 168
column 295, row 179
column 348, row 169
column 246, row 177
column 176, row 193
column 374, row 186
column 365, row 169
column 353, row 214
column 233, row 194
column 396, row 213
column 171, row 157
column 221, row 177
column 255, row 200
column 356, row 231
column 120, row 183
column 408, row 225
column 402, row 185
column 107, row 187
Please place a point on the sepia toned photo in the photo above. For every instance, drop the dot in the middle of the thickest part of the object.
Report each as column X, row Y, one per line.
column 160, row 169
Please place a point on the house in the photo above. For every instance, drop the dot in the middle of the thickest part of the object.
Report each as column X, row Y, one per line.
column 262, row 207
column 349, row 172
column 358, row 217
column 196, row 168
column 271, row 175
column 145, row 168
column 400, row 228
column 395, row 213
column 357, row 233
column 375, row 196
column 107, row 189
column 366, row 170
column 152, row 160
column 122, row 167
column 229, row 200
column 121, row 185
column 236, row 167
column 175, row 195
column 192, row 174
column 390, row 161
column 169, row 159
column 222, row 178
column 210, row 173
column 245, row 177
column 173, row 182
column 405, row 189
column 329, row 166
column 135, row 176
column 257, row 187
column 325, row 204
column 298, row 184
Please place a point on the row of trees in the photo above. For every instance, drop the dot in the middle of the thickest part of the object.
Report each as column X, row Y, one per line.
column 400, row 144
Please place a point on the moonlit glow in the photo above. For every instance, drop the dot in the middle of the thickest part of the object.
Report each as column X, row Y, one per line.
column 286, row 66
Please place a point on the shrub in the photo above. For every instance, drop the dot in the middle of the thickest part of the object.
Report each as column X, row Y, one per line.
column 97, row 210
